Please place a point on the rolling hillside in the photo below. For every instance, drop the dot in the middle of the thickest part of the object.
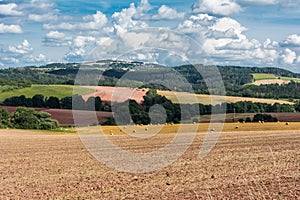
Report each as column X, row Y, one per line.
column 59, row 91
column 237, row 80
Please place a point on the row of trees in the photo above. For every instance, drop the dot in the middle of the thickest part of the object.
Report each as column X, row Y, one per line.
column 39, row 101
column 158, row 109
column 152, row 98
column 24, row 118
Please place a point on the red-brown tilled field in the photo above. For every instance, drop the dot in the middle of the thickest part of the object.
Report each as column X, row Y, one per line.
column 65, row 117
column 243, row 165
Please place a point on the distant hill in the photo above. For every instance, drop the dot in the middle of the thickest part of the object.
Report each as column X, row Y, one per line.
column 237, row 80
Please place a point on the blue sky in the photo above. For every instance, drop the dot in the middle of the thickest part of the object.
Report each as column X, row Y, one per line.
column 223, row 32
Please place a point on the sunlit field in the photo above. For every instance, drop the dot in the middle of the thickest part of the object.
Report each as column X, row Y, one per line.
column 58, row 91
column 251, row 160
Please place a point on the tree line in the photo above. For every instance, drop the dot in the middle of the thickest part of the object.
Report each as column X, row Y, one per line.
column 176, row 113
column 166, row 111
column 151, row 98
column 39, row 101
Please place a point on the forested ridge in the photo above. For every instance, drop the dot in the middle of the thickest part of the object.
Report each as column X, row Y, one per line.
column 236, row 79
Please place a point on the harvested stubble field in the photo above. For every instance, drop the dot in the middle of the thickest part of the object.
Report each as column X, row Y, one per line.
column 243, row 165
column 184, row 97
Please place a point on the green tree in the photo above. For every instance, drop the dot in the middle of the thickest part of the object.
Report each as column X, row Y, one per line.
column 53, row 102
column 4, row 118
column 66, row 103
column 94, row 104
column 38, row 101
column 297, row 106
column 264, row 117
column 98, row 104
column 78, row 103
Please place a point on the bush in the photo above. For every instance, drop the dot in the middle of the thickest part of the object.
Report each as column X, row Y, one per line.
column 241, row 120
column 248, row 119
column 264, row 117
column 4, row 118
column 109, row 122
column 30, row 119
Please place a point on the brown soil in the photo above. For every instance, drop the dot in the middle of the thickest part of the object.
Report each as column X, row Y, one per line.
column 116, row 94
column 65, row 117
column 243, row 165
column 283, row 117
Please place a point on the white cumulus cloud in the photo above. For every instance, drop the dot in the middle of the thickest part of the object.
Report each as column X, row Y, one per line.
column 195, row 23
column 81, row 41
column 56, row 39
column 23, row 48
column 257, row 2
column 9, row 9
column 126, row 20
column 90, row 22
column 55, row 35
column 165, row 12
column 292, row 40
column 36, row 59
column 225, row 24
column 42, row 17
column 22, row 53
column 10, row 29
column 217, row 7
column 78, row 48
column 288, row 56
column 298, row 60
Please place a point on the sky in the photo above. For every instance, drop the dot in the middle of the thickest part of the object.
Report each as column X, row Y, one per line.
column 263, row 33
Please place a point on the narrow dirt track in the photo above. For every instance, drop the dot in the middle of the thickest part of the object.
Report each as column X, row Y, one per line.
column 243, row 165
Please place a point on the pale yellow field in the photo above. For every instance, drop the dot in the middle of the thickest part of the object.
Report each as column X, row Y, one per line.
column 200, row 127
column 189, row 98
column 271, row 81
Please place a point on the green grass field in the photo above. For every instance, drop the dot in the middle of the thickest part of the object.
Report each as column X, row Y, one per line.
column 290, row 79
column 58, row 91
column 258, row 77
